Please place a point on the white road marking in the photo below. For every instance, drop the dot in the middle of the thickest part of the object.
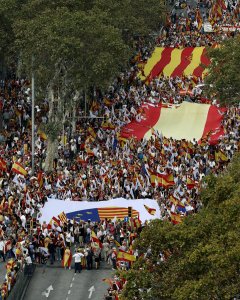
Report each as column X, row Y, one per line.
column 69, row 292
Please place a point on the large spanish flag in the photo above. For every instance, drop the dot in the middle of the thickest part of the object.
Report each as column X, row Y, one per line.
column 19, row 169
column 187, row 121
column 176, row 62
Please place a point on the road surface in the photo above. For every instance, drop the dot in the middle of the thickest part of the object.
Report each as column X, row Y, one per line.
column 61, row 284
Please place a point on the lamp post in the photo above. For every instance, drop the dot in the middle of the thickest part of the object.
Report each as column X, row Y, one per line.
column 33, row 116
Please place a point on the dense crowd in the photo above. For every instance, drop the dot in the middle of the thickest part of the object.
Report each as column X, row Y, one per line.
column 95, row 163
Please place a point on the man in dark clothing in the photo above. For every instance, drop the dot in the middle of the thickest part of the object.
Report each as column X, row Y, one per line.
column 89, row 259
column 51, row 249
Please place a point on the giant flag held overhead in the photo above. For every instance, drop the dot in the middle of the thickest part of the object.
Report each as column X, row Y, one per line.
column 188, row 121
column 99, row 210
column 97, row 214
column 176, row 62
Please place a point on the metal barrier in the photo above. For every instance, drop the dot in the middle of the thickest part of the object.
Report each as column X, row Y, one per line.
column 22, row 281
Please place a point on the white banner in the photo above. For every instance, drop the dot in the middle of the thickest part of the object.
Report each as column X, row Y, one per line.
column 54, row 207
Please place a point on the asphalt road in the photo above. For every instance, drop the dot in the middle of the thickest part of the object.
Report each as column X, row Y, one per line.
column 61, row 284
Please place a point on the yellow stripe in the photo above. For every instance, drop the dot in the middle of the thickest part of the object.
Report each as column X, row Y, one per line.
column 152, row 61
column 186, row 122
column 174, row 62
column 195, row 61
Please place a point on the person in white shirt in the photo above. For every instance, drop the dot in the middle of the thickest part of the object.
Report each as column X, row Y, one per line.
column 2, row 248
column 78, row 261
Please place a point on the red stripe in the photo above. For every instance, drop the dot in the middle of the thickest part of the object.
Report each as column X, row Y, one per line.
column 163, row 62
column 113, row 208
column 205, row 61
column 139, row 129
column 213, row 122
column 185, row 61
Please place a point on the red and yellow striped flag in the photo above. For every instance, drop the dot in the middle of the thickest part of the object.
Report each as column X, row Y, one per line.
column 150, row 210
column 118, row 212
column 174, row 62
column 62, row 217
column 92, row 132
column 199, row 19
column 125, row 256
column 190, row 183
column 40, row 178
column 175, row 218
column 162, row 180
column 19, row 169
column 3, row 165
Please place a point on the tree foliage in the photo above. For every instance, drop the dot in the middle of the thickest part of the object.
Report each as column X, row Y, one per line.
column 73, row 46
column 224, row 77
column 202, row 254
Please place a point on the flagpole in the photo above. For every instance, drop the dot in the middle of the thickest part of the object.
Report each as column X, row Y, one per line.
column 33, row 116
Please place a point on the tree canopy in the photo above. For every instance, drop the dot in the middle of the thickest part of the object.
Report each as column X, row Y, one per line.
column 74, row 46
column 201, row 255
column 224, row 77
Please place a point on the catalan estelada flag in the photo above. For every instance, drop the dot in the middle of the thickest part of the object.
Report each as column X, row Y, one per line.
column 19, row 169
column 62, row 217
column 187, row 121
column 97, row 214
column 3, row 165
column 125, row 256
column 150, row 210
column 176, row 62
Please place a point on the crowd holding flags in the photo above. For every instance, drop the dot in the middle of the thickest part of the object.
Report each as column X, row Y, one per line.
column 216, row 11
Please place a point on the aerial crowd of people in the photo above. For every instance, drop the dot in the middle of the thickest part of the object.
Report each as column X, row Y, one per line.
column 96, row 163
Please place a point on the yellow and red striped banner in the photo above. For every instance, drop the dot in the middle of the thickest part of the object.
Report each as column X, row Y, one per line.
column 118, row 212
column 174, row 62
column 187, row 121
column 19, row 169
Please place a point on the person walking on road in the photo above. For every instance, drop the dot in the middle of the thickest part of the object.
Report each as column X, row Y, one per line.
column 89, row 258
column 67, row 258
column 51, row 249
column 78, row 256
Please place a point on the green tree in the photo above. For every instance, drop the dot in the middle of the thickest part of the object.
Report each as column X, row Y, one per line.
column 202, row 254
column 75, row 46
column 69, row 56
column 224, row 77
